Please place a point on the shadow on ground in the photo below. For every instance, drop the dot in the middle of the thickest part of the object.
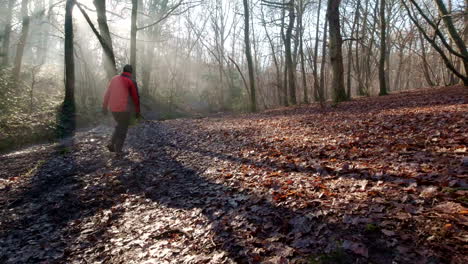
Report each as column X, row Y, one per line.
column 48, row 214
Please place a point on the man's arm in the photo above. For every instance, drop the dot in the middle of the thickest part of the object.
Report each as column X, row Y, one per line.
column 135, row 96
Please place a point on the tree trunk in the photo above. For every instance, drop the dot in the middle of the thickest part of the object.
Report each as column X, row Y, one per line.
column 67, row 117
column 465, row 32
column 106, row 43
column 336, row 56
column 369, row 55
column 109, row 57
column 159, row 8
column 148, row 63
column 133, row 35
column 45, row 36
column 7, row 34
column 359, row 58
column 22, row 40
column 248, row 54
column 322, row 66
column 275, row 59
column 350, row 50
column 397, row 81
column 285, row 72
column 289, row 57
column 383, row 50
column 425, row 65
column 314, row 70
column 301, row 50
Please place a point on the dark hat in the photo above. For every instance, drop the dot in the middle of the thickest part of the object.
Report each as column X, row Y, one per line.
column 128, row 68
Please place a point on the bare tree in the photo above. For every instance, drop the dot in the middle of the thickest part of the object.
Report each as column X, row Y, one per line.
column 22, row 41
column 300, row 15
column 441, row 37
column 286, row 65
column 248, row 54
column 318, row 88
column 352, row 38
column 383, row 49
column 109, row 57
column 459, row 42
column 7, row 33
column 336, row 57
column 323, row 63
column 274, row 57
column 288, row 53
column 103, row 38
column 67, row 115
column 133, row 36
column 34, row 80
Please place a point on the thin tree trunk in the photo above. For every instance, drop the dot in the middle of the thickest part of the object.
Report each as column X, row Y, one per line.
column 427, row 76
column 301, row 50
column 154, row 34
column 323, row 63
column 285, row 72
column 368, row 67
column 362, row 88
column 256, row 63
column 289, row 57
column 275, row 59
column 33, row 83
column 45, row 36
column 285, row 84
column 383, row 50
column 350, row 50
column 133, row 35
column 7, row 34
column 248, row 54
column 22, row 41
column 148, row 63
column 397, row 81
column 315, row 72
column 409, row 67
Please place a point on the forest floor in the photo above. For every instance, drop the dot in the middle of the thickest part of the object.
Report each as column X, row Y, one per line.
column 375, row 180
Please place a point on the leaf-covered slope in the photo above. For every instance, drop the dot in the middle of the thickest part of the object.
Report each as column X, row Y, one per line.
column 376, row 180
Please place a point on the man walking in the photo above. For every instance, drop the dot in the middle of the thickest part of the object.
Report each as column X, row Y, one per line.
column 122, row 100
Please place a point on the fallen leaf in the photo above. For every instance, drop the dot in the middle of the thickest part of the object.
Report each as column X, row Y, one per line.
column 356, row 247
column 388, row 232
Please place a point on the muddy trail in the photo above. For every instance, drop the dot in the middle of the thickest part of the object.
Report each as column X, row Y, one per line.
column 375, row 180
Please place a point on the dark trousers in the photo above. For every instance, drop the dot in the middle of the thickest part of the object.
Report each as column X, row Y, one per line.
column 120, row 132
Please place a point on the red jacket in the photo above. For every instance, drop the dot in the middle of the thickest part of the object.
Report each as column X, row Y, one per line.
column 119, row 91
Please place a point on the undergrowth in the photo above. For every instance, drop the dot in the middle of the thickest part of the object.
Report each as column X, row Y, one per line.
column 26, row 117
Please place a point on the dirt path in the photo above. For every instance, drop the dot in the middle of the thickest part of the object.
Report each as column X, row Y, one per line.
column 377, row 180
